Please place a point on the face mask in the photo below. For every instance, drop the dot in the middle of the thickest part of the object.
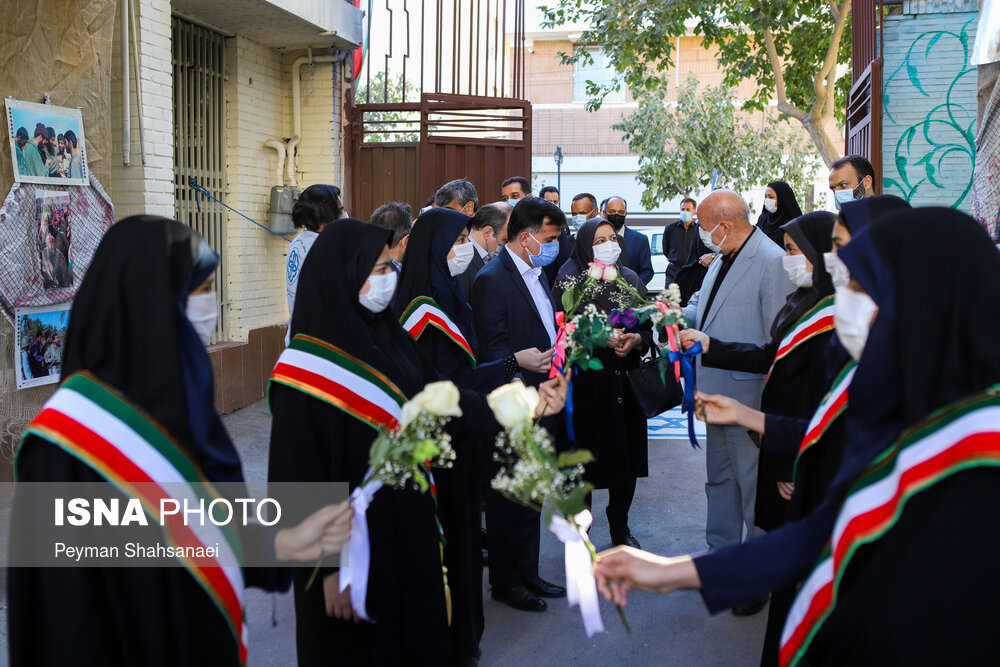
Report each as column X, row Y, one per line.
column 771, row 205
column 686, row 216
column 380, row 291
column 203, row 314
column 841, row 197
column 706, row 238
column 853, row 318
column 617, row 221
column 608, row 252
column 578, row 220
column 513, row 202
column 837, row 269
column 463, row 256
column 798, row 273
column 546, row 254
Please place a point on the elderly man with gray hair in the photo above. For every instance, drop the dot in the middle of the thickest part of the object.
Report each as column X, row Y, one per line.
column 742, row 292
column 459, row 195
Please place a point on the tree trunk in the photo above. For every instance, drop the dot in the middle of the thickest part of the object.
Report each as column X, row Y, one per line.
column 821, row 139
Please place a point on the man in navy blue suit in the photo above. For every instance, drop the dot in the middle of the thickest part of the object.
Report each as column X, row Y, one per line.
column 513, row 310
column 636, row 255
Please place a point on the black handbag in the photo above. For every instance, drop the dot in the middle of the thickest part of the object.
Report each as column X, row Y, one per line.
column 653, row 395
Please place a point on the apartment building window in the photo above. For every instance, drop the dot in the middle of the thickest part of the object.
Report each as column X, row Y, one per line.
column 600, row 72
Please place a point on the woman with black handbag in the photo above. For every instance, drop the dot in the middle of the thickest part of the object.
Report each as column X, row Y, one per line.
column 607, row 418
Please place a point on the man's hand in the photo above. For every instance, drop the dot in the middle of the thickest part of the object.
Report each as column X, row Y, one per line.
column 626, row 343
column 552, row 395
column 621, row 569
column 786, row 489
column 691, row 336
column 534, row 360
column 706, row 259
column 338, row 605
column 323, row 532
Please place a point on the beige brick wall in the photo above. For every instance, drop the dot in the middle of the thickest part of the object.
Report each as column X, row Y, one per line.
column 139, row 189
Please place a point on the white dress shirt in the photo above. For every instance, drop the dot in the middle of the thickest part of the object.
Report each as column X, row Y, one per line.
column 531, row 275
column 479, row 249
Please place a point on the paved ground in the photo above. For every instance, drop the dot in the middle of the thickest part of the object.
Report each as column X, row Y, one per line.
column 668, row 517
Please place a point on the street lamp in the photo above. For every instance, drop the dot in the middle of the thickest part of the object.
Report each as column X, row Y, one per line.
column 558, row 157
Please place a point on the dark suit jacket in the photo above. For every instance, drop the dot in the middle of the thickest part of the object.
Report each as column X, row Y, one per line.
column 566, row 243
column 505, row 315
column 466, row 277
column 640, row 258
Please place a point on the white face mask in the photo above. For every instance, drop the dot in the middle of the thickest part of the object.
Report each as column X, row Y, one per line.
column 463, row 257
column 837, row 269
column 770, row 204
column 706, row 238
column 841, row 197
column 380, row 291
column 798, row 272
column 853, row 316
column 608, row 252
column 201, row 311
column 687, row 216
column 579, row 219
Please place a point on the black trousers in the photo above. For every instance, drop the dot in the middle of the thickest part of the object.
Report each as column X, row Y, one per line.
column 512, row 534
column 619, row 503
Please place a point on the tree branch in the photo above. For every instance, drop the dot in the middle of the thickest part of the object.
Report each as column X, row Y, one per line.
column 831, row 94
column 779, row 79
column 830, row 62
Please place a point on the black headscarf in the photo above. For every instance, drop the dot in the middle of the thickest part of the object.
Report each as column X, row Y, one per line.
column 788, row 209
column 858, row 214
column 128, row 328
column 425, row 268
column 580, row 259
column 327, row 305
column 933, row 341
column 813, row 234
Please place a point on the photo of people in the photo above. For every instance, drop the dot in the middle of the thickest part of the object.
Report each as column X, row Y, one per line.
column 54, row 238
column 47, row 144
column 41, row 334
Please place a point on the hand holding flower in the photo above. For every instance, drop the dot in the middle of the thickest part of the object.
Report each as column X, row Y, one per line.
column 691, row 336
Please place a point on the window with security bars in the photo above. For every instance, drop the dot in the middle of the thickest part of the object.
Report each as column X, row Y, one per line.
column 199, row 140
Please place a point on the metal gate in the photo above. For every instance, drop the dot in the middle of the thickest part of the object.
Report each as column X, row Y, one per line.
column 863, row 130
column 199, row 139
column 449, row 109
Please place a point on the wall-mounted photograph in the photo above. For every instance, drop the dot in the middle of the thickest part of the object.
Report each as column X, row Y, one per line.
column 41, row 335
column 46, row 143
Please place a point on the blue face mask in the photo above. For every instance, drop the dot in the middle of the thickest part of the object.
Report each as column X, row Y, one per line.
column 546, row 254
column 513, row 202
column 686, row 216
column 841, row 197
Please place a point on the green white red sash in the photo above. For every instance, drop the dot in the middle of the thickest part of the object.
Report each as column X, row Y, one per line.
column 819, row 319
column 963, row 435
column 331, row 375
column 424, row 312
column 99, row 426
column 831, row 407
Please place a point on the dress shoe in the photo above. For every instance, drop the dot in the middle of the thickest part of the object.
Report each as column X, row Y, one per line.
column 626, row 538
column 519, row 598
column 750, row 608
column 539, row 586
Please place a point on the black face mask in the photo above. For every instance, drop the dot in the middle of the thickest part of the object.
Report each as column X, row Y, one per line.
column 617, row 221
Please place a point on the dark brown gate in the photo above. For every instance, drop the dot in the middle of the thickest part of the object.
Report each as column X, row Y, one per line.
column 448, row 110
column 864, row 102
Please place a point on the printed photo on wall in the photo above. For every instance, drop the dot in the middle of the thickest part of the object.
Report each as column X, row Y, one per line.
column 54, row 238
column 41, row 333
column 46, row 143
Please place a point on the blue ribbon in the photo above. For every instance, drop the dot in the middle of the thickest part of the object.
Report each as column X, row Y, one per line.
column 568, row 410
column 686, row 357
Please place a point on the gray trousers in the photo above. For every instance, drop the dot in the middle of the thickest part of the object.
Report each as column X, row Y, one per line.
column 731, row 463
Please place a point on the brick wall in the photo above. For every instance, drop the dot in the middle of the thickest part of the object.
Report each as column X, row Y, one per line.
column 928, row 122
column 138, row 189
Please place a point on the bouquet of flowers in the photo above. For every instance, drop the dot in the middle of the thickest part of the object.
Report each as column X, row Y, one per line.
column 400, row 456
column 534, row 475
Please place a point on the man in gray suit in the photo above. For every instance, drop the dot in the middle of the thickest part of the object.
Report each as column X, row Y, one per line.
column 743, row 291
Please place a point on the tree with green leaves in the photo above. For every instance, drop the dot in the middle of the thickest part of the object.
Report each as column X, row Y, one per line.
column 789, row 49
column 679, row 146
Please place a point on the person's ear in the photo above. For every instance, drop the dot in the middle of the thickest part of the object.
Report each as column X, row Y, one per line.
column 488, row 234
column 469, row 209
column 870, row 185
column 403, row 242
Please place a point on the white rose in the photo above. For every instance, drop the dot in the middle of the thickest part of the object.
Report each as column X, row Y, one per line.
column 610, row 273
column 439, row 399
column 596, row 270
column 410, row 412
column 513, row 404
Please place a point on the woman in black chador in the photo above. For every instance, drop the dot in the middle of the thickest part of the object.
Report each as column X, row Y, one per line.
column 135, row 354
column 343, row 296
column 780, row 207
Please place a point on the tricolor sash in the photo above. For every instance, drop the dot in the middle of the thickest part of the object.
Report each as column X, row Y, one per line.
column 103, row 429
column 831, row 407
column 819, row 319
column 331, row 375
column 963, row 435
column 424, row 312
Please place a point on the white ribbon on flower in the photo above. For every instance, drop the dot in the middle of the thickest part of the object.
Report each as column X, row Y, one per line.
column 355, row 572
column 581, row 587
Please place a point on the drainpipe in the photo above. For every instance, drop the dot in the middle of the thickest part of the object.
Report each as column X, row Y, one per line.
column 279, row 146
column 126, row 106
column 337, row 57
column 290, row 163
